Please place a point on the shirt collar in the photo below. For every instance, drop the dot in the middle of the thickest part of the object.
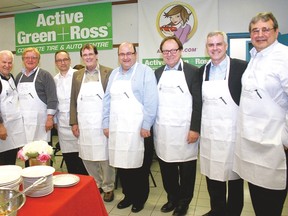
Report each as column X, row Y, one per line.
column 69, row 72
column 222, row 64
column 129, row 71
column 176, row 67
column 96, row 70
column 30, row 72
column 265, row 51
column 4, row 77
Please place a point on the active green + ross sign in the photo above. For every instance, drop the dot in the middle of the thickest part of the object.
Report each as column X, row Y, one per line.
column 65, row 28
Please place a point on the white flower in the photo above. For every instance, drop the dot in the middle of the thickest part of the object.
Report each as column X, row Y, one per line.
column 34, row 149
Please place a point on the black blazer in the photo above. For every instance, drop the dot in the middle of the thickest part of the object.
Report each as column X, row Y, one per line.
column 237, row 68
column 193, row 82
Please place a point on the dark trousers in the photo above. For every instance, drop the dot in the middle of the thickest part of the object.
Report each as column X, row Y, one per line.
column 74, row 163
column 268, row 202
column 220, row 206
column 135, row 182
column 8, row 157
column 179, row 180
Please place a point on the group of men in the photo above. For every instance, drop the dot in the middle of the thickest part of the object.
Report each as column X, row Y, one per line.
column 236, row 112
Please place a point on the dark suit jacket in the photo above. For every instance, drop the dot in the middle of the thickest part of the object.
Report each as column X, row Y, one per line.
column 237, row 68
column 76, row 85
column 193, row 82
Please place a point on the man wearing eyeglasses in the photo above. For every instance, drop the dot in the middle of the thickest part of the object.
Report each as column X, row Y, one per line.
column 37, row 97
column 221, row 88
column 86, row 106
column 67, row 141
column 12, row 133
column 177, row 126
column 130, row 106
column 262, row 139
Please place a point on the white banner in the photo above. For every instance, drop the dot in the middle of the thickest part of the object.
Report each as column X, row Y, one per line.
column 190, row 21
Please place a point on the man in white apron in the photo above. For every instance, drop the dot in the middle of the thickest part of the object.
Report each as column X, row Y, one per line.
column 12, row 134
column 221, row 88
column 130, row 105
column 37, row 96
column 68, row 142
column 177, row 126
column 86, row 105
column 262, row 133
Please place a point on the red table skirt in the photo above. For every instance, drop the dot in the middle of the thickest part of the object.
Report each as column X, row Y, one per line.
column 81, row 199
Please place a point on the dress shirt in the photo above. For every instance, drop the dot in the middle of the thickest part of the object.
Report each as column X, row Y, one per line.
column 65, row 82
column 274, row 71
column 92, row 76
column 218, row 72
column 144, row 88
column 176, row 67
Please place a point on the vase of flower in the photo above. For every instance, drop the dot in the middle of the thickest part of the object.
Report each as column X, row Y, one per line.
column 37, row 152
column 36, row 162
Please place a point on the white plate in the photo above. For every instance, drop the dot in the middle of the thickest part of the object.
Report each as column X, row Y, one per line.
column 40, row 193
column 37, row 171
column 65, row 180
column 9, row 178
column 9, row 174
column 39, row 190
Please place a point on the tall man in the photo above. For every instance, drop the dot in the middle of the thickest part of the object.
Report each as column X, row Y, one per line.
column 221, row 88
column 68, row 142
column 37, row 97
column 12, row 133
column 262, row 134
column 177, row 126
column 130, row 106
column 88, row 86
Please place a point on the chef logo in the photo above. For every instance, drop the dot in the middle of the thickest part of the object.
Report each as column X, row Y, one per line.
column 177, row 19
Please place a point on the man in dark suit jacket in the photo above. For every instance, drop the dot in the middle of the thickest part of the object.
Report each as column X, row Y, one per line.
column 87, row 92
column 221, row 88
column 177, row 126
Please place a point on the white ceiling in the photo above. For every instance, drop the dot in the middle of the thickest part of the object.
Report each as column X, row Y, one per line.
column 15, row 6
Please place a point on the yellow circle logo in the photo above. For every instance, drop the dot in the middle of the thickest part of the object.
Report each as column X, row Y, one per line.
column 177, row 19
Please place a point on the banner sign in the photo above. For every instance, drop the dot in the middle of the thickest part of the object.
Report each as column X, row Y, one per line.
column 189, row 20
column 65, row 28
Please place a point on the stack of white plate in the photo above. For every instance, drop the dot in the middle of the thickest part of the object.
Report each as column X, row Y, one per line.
column 32, row 174
column 10, row 176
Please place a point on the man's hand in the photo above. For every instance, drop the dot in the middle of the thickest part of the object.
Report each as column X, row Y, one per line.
column 75, row 130
column 3, row 132
column 192, row 136
column 106, row 132
column 145, row 133
column 49, row 123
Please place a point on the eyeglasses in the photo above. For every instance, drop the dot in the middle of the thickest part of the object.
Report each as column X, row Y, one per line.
column 172, row 51
column 62, row 60
column 264, row 30
column 128, row 54
column 30, row 57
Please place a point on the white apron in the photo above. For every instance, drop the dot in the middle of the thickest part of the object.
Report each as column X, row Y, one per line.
column 259, row 154
column 68, row 142
column 93, row 144
column 173, row 119
column 218, row 129
column 12, row 118
column 126, row 146
column 34, row 111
